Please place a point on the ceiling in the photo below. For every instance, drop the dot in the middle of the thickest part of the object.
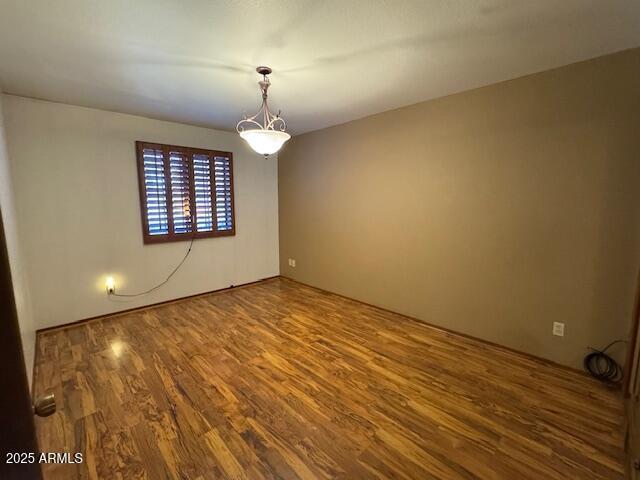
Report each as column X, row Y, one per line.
column 193, row 61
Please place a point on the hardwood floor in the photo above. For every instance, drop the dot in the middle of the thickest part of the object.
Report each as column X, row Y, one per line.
column 279, row 380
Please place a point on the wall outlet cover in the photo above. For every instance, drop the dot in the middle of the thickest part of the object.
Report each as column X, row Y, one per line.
column 558, row 329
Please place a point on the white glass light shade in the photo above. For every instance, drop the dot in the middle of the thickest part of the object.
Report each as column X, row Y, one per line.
column 265, row 142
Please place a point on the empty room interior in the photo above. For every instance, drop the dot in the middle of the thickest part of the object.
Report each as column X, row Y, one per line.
column 302, row 239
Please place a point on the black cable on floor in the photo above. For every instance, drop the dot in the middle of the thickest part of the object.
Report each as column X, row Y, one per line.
column 602, row 367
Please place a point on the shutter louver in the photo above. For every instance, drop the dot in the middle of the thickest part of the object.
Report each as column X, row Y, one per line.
column 180, row 192
column 202, row 188
column 155, row 191
column 224, row 200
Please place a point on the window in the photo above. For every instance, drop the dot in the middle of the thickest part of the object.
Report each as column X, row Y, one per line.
column 184, row 192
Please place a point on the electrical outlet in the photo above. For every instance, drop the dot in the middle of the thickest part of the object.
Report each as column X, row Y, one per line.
column 110, row 284
column 558, row 329
column 292, row 262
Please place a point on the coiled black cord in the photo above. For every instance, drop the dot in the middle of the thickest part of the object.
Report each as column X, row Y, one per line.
column 602, row 367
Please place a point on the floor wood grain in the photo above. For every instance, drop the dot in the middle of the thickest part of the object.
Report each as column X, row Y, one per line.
column 279, row 380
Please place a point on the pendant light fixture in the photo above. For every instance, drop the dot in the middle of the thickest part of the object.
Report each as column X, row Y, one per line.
column 269, row 136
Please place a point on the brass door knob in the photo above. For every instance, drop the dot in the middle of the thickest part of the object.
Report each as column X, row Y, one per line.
column 45, row 405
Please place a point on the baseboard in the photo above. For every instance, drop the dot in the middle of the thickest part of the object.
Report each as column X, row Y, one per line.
column 531, row 356
column 145, row 307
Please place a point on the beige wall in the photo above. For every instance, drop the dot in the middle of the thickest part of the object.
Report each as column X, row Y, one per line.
column 15, row 251
column 493, row 212
column 76, row 194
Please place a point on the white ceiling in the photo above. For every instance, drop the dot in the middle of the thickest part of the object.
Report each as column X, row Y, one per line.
column 193, row 61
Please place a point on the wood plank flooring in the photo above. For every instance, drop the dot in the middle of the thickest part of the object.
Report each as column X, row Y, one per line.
column 279, row 380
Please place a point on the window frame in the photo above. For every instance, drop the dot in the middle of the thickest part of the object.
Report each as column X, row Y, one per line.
column 189, row 152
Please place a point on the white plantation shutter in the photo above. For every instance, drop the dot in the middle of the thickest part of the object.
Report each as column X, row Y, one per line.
column 184, row 189
column 224, row 193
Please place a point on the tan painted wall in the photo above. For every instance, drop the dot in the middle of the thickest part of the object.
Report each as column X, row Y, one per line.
column 493, row 212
